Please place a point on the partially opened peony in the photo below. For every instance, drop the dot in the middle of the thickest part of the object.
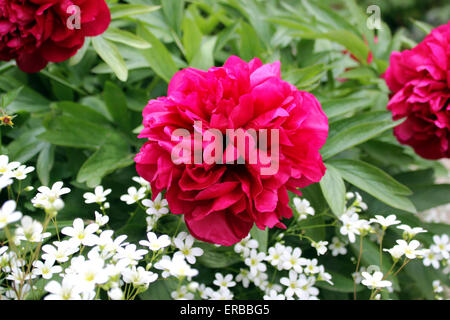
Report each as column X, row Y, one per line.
column 221, row 201
column 35, row 32
column 420, row 81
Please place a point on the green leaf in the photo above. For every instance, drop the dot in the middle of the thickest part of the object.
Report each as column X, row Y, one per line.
column 192, row 38
column 26, row 146
column 160, row 290
column 116, row 104
column 305, row 77
column 375, row 182
column 424, row 27
column 430, row 196
column 217, row 257
column 127, row 38
column 333, row 189
column 250, row 45
column 126, row 10
column 158, row 56
column 349, row 40
column 45, row 163
column 173, row 12
column 340, row 106
column 10, row 96
column 261, row 236
column 353, row 136
column 111, row 55
column 80, row 111
column 204, row 58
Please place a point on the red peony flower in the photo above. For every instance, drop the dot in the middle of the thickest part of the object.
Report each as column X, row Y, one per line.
column 222, row 200
column 420, row 81
column 35, row 32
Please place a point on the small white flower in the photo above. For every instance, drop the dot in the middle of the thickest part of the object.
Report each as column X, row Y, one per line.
column 151, row 222
column 5, row 180
column 245, row 246
column 244, row 277
column 375, row 280
column 255, row 262
column 100, row 219
column 320, row 246
column 21, row 172
column 276, row 255
column 386, row 222
column 224, row 282
column 182, row 294
column 46, row 269
column 7, row 167
column 409, row 249
column 437, row 287
column 293, row 260
column 116, row 294
column 350, row 226
column 396, row 251
column 81, row 235
column 186, row 248
column 432, row 258
column 99, row 195
column 177, row 267
column 30, row 230
column 144, row 183
column 130, row 254
column 411, row 232
column 337, row 247
column 311, row 267
column 154, row 242
column 156, row 207
column 441, row 245
column 303, row 208
column 139, row 277
column 8, row 213
column 59, row 251
column 222, row 294
column 134, row 195
column 67, row 290
column 273, row 295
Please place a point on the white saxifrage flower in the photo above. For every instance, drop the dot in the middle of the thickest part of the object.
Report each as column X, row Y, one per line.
column 8, row 213
column 100, row 219
column 156, row 207
column 245, row 246
column 133, row 195
column 350, row 226
column 66, row 290
column 441, row 245
column 186, row 248
column 155, row 243
column 59, row 251
column 293, row 260
column 30, row 230
column 386, row 222
column 410, row 249
column 432, row 258
column 6, row 167
column 21, row 172
column 224, row 282
column 130, row 254
column 337, row 247
column 46, row 269
column 411, row 232
column 81, row 235
column 375, row 280
column 139, row 277
column 321, row 247
column 303, row 208
column 255, row 262
column 276, row 255
column 99, row 195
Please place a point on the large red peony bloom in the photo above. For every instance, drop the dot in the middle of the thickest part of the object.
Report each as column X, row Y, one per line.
column 35, row 32
column 221, row 202
column 420, row 81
